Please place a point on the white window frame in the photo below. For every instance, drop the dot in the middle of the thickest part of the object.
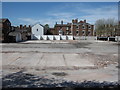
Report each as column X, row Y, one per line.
column 83, row 26
column 84, row 32
column 90, row 32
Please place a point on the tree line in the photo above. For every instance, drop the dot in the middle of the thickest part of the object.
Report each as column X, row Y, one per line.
column 103, row 27
column 107, row 27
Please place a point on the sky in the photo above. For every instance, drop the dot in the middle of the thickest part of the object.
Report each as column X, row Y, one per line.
column 29, row 13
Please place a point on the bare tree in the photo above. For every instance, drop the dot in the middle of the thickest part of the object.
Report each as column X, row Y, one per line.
column 99, row 27
column 105, row 27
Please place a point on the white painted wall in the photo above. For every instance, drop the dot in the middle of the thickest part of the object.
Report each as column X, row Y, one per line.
column 50, row 37
column 117, row 38
column 18, row 37
column 69, row 37
column 63, row 37
column 37, row 31
column 44, row 37
column 56, row 37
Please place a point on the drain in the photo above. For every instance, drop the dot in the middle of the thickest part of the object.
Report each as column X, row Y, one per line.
column 59, row 74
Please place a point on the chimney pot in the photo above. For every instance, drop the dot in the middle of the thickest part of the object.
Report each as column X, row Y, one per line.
column 61, row 22
column 73, row 21
column 76, row 20
column 84, row 21
column 21, row 26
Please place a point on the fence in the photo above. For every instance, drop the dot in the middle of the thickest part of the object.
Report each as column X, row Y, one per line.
column 117, row 38
column 85, row 37
column 54, row 37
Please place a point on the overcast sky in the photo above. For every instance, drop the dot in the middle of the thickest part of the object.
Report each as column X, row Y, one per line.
column 52, row 12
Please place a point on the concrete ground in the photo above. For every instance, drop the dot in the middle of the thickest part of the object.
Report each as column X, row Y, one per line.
column 79, row 59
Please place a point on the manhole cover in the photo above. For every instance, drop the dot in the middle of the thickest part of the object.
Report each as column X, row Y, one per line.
column 59, row 74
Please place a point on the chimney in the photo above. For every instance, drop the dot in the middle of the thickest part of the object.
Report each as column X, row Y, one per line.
column 56, row 23
column 21, row 27
column 61, row 22
column 24, row 26
column 29, row 26
column 76, row 20
column 73, row 21
column 84, row 21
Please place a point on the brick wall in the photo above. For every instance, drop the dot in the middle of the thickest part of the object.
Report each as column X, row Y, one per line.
column 81, row 28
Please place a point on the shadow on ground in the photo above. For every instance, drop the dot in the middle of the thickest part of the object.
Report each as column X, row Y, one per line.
column 25, row 80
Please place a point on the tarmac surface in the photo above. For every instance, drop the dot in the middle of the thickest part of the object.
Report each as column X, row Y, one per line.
column 73, row 60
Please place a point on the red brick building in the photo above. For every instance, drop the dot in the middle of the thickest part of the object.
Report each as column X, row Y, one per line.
column 24, row 30
column 5, row 28
column 76, row 28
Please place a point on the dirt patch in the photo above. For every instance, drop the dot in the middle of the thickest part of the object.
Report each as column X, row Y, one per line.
column 82, row 44
column 25, row 80
column 59, row 74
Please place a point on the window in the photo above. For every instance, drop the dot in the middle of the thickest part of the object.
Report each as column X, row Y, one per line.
column 60, row 32
column 37, row 29
column 83, row 32
column 77, row 27
column 89, row 32
column 89, row 27
column 67, row 32
column 77, row 32
column 67, row 28
column 83, row 27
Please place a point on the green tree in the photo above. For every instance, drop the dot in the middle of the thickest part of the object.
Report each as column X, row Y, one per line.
column 47, row 29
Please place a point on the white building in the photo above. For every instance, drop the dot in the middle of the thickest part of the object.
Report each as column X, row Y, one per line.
column 37, row 31
column 16, row 36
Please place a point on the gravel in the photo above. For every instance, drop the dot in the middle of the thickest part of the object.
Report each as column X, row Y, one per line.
column 25, row 80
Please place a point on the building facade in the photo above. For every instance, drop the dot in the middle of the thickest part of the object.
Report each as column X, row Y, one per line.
column 37, row 31
column 5, row 28
column 15, row 36
column 24, row 30
column 76, row 28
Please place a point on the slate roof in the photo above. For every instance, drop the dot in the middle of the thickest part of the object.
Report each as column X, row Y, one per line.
column 3, row 20
column 37, row 23
column 14, row 33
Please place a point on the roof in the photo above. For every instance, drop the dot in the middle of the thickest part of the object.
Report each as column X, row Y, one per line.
column 65, row 25
column 81, row 22
column 3, row 20
column 14, row 33
column 37, row 23
column 69, row 24
column 51, row 28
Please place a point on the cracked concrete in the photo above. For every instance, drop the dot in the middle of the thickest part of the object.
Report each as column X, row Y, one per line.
column 81, row 60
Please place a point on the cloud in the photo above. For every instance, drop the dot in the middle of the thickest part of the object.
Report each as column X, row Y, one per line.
column 61, row 14
column 64, row 16
column 99, row 13
column 91, row 14
column 51, row 19
column 28, row 20
column 32, row 21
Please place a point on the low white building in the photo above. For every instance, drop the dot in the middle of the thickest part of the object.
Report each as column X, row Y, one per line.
column 37, row 31
column 16, row 36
